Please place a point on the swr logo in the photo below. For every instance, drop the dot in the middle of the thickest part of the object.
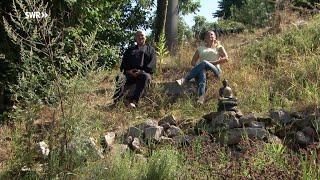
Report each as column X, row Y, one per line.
column 36, row 15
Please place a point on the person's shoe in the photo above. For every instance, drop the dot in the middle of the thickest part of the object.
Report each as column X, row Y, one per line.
column 181, row 81
column 132, row 105
column 200, row 99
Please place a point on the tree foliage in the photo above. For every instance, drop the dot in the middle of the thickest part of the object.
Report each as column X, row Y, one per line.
column 254, row 13
column 225, row 8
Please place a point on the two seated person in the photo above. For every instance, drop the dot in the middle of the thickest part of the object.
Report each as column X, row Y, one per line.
column 139, row 63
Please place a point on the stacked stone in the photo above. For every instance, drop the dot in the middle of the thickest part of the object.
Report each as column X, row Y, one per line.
column 226, row 101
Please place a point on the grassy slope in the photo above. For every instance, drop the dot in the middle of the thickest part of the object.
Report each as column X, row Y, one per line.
column 277, row 71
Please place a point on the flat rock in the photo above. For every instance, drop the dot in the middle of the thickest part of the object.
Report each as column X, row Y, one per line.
column 153, row 133
column 234, row 136
column 170, row 119
column 174, row 131
column 135, row 132
column 148, row 123
column 136, row 144
column 274, row 139
column 247, row 119
column 109, row 139
column 256, row 124
column 280, row 116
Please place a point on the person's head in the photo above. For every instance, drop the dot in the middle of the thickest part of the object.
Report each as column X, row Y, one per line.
column 140, row 37
column 210, row 36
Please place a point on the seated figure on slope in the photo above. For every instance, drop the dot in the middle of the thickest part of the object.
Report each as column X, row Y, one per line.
column 138, row 64
column 206, row 58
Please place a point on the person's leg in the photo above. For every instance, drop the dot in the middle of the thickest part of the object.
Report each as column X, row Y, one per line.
column 195, row 71
column 211, row 67
column 121, row 82
column 142, row 82
column 202, row 83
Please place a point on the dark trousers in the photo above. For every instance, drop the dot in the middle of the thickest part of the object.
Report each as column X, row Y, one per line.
column 142, row 81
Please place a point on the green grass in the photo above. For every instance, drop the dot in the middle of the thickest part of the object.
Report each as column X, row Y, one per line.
column 279, row 71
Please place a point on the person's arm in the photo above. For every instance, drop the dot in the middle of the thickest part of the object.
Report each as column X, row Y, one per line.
column 223, row 56
column 124, row 62
column 195, row 58
column 151, row 66
column 125, row 67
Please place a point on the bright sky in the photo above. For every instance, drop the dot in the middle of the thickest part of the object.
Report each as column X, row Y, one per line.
column 206, row 10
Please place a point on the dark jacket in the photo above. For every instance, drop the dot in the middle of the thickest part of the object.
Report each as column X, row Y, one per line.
column 143, row 58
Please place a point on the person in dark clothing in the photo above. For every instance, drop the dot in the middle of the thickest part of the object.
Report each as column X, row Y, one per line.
column 138, row 64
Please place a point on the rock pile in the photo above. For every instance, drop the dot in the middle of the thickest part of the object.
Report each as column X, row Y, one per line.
column 165, row 131
column 229, row 127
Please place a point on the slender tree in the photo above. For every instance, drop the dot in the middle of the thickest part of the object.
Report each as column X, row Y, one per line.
column 160, row 21
column 172, row 25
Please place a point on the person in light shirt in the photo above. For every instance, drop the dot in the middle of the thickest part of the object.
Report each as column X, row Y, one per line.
column 206, row 58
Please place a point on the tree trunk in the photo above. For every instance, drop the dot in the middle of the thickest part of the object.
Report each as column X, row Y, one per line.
column 161, row 14
column 172, row 25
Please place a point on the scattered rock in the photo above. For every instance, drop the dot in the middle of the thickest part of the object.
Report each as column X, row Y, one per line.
column 266, row 120
column 147, row 124
column 255, row 124
column 153, row 133
column 234, row 136
column 280, row 116
column 129, row 140
column 135, row 132
column 173, row 131
column 238, row 112
column 170, row 119
column 247, row 119
column 136, row 144
column 43, row 148
column 165, row 126
column 309, row 131
column 302, row 139
column 109, row 139
column 274, row 139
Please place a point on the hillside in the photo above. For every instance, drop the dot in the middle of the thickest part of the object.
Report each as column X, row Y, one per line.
column 266, row 71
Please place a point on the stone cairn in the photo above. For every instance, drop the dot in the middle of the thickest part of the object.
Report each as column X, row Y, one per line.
column 227, row 125
column 226, row 100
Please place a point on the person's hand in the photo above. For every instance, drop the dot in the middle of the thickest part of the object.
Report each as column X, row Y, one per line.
column 134, row 72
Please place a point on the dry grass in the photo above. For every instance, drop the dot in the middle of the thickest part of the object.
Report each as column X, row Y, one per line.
column 252, row 82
